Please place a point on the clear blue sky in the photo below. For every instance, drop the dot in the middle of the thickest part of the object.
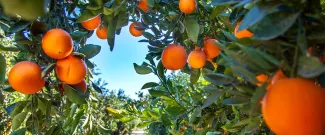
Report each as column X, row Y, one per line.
column 117, row 66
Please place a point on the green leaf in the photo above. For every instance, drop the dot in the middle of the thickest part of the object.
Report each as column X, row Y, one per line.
column 143, row 69
column 108, row 11
column 127, row 119
column 51, row 130
column 192, row 28
column 211, row 98
column 18, row 120
column 89, row 64
column 76, row 120
column 195, row 75
column 42, row 104
column 174, row 111
column 21, row 131
column 99, row 90
column 87, row 14
column 161, row 70
column 19, row 26
column 149, row 85
column 229, row 35
column 111, row 23
column 236, row 100
column 48, row 69
column 216, row 11
column 77, row 35
column 90, row 50
column 28, row 10
column 217, row 78
column 148, row 35
column 8, row 89
column 3, row 66
column 157, row 93
column 75, row 96
column 214, row 133
column 224, row 2
column 151, row 3
column 123, row 20
column 18, row 108
column 255, row 100
column 309, row 67
column 244, row 73
column 202, row 132
column 114, row 112
column 256, row 14
column 274, row 25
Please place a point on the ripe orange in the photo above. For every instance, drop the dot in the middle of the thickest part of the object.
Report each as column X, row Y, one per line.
column 182, row 129
column 143, row 5
column 211, row 49
column 243, row 33
column 71, row 70
column 295, row 106
column 174, row 57
column 57, row 44
column 276, row 77
column 92, row 23
column 261, row 79
column 197, row 48
column 26, row 77
column 187, row 6
column 197, row 59
column 135, row 32
column 101, row 32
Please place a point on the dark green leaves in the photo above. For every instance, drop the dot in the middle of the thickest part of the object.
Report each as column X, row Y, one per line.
column 21, row 131
column 274, row 25
column 19, row 26
column 28, row 10
column 236, row 100
column 157, row 93
column 87, row 14
column 3, row 66
column 111, row 22
column 256, row 14
column 90, row 50
column 75, row 96
column 195, row 75
column 48, row 69
column 192, row 28
column 143, row 69
column 223, row 2
column 149, row 85
column 18, row 119
column 310, row 67
column 215, row 94
column 217, row 78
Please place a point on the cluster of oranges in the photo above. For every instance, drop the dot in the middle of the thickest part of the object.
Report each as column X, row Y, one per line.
column 93, row 23
column 293, row 106
column 26, row 76
column 174, row 56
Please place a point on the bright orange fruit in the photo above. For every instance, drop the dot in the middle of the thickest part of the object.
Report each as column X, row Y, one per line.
column 187, row 6
column 295, row 106
column 135, row 32
column 243, row 33
column 71, row 70
column 211, row 49
column 26, row 77
column 196, row 59
column 92, row 23
column 143, row 5
column 57, row 44
column 174, row 57
column 101, row 32
column 261, row 79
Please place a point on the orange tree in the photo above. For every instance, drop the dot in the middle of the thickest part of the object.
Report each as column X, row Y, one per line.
column 250, row 46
